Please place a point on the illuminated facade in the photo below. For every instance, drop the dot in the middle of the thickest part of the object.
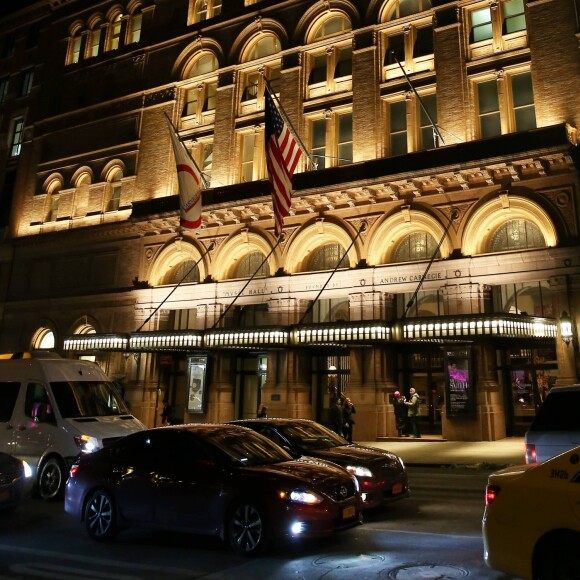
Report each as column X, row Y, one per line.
column 94, row 263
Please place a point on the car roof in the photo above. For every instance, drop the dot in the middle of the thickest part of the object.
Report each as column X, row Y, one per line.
column 277, row 421
column 204, row 428
column 565, row 388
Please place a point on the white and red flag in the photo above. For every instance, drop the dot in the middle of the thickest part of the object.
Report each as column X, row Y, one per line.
column 190, row 183
column 282, row 155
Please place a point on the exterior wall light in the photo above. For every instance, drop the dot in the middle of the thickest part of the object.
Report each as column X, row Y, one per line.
column 566, row 328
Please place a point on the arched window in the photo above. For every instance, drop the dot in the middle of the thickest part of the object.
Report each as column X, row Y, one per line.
column 186, row 272
column 266, row 45
column 134, row 29
column 416, row 246
column 114, row 190
column 74, row 46
column 114, row 33
column 327, row 257
column 335, row 24
column 401, row 8
column 94, row 40
column 516, row 235
column 52, row 200
column 44, row 339
column 249, row 264
column 200, row 99
column 206, row 62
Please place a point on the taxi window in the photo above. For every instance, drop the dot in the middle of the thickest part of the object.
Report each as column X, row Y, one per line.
column 559, row 412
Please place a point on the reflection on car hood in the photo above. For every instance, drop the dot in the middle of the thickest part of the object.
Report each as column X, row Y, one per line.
column 306, row 469
column 344, row 454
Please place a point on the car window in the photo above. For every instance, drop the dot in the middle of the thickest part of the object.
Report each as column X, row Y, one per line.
column 311, row 436
column 247, row 448
column 271, row 434
column 8, row 395
column 559, row 412
column 37, row 405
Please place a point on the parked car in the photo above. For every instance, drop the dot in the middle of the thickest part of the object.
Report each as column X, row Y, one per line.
column 531, row 523
column 52, row 409
column 15, row 481
column 382, row 475
column 556, row 426
column 220, row 480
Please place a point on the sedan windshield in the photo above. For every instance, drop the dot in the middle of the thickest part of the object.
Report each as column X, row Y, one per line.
column 87, row 399
column 311, row 436
column 248, row 449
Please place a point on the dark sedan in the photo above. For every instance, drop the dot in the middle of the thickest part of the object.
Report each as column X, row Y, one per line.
column 382, row 475
column 15, row 481
column 220, row 480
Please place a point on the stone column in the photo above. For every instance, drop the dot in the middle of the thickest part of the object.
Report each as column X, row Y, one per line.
column 221, row 399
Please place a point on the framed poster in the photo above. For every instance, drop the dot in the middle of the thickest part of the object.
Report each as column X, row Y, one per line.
column 459, row 382
column 196, row 379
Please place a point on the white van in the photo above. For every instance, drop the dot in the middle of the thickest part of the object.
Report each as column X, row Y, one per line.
column 52, row 409
column 556, row 427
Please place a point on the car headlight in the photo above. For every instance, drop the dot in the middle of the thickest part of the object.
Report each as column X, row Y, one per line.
column 27, row 469
column 359, row 470
column 301, row 496
column 86, row 443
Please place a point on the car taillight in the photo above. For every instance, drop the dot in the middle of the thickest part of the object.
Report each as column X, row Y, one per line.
column 491, row 493
column 531, row 456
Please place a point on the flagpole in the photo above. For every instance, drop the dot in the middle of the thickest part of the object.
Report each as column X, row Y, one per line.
column 454, row 214
column 363, row 227
column 246, row 284
column 187, row 151
column 436, row 132
column 287, row 119
column 209, row 248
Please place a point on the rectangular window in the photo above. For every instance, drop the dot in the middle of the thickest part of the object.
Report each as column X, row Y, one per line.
column 4, row 84
column 343, row 62
column 395, row 50
column 17, row 136
column 481, row 26
column 423, row 42
column 190, row 104
column 523, row 102
column 75, row 52
column 115, row 32
column 27, row 78
column 514, row 17
column 344, row 138
column 52, row 213
column 398, row 128
column 210, row 96
column 426, row 137
column 489, row 114
column 318, row 141
column 94, row 42
column 115, row 199
column 318, row 70
column 248, row 145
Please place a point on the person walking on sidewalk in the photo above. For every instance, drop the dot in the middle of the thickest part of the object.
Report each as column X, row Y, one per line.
column 400, row 410
column 413, row 412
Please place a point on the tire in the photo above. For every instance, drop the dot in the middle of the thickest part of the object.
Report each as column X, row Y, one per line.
column 100, row 516
column 248, row 531
column 558, row 558
column 51, row 479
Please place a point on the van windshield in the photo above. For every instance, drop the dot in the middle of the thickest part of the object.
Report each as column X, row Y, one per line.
column 87, row 399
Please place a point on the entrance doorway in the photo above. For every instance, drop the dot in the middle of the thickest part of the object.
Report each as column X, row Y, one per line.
column 251, row 374
column 330, row 375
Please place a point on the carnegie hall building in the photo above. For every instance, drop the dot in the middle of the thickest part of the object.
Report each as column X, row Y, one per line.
column 433, row 238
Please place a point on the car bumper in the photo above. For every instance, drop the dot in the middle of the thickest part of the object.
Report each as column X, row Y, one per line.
column 375, row 494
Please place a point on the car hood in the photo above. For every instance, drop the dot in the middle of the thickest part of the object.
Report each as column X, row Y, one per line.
column 307, row 470
column 349, row 454
column 109, row 427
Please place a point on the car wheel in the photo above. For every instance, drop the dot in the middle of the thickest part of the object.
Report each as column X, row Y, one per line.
column 248, row 532
column 558, row 559
column 51, row 479
column 100, row 517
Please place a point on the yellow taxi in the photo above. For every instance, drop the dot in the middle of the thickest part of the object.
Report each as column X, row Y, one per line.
column 531, row 522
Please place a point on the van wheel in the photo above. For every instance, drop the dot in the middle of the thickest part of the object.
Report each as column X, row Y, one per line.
column 51, row 479
column 100, row 518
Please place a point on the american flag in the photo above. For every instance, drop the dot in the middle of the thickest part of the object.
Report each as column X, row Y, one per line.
column 282, row 155
column 189, row 183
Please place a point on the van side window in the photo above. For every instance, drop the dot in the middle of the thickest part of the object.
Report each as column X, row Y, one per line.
column 37, row 405
column 8, row 396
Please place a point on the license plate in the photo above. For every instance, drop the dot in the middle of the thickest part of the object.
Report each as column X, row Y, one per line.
column 397, row 488
column 348, row 512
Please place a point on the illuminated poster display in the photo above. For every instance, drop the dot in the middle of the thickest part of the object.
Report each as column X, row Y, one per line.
column 196, row 373
column 459, row 383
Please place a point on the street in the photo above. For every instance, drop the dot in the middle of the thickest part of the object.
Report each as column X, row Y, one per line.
column 433, row 534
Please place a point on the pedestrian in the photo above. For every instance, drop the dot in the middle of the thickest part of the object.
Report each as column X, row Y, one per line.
column 336, row 416
column 263, row 412
column 413, row 412
column 167, row 413
column 348, row 410
column 400, row 410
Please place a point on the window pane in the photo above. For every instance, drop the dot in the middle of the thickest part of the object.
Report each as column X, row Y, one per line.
column 250, row 263
column 345, row 139
column 398, row 115
column 424, row 42
column 210, row 99
column 517, row 235
column 522, row 89
column 481, row 25
column 344, row 64
column 319, row 142
column 396, row 45
column 190, row 106
column 407, row 7
column 487, row 97
column 318, row 72
column 490, row 125
column 525, row 118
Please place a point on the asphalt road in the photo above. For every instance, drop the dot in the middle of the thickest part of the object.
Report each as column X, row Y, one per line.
column 434, row 534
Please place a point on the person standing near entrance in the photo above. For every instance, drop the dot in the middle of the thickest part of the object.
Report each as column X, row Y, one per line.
column 348, row 410
column 413, row 412
column 336, row 415
column 400, row 410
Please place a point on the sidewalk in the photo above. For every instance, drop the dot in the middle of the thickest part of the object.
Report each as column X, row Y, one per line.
column 433, row 451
